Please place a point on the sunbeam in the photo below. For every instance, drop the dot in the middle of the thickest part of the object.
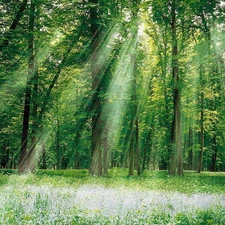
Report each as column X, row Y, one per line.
column 17, row 81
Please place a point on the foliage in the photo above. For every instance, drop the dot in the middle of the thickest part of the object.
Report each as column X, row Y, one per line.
column 62, row 102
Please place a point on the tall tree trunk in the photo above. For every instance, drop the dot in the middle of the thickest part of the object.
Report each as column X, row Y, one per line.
column 145, row 157
column 35, row 121
column 131, row 156
column 26, row 112
column 190, row 147
column 200, row 155
column 178, row 139
column 134, row 128
column 176, row 79
column 96, row 153
column 171, row 151
column 24, row 140
column 32, row 147
column 105, row 143
column 135, row 102
column 163, row 56
column 76, row 147
column 137, row 149
column 202, row 73
column 12, row 162
column 177, row 146
column 58, row 142
column 214, row 154
column 77, row 160
column 4, row 160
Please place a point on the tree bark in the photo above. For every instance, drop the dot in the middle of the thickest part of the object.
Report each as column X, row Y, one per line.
column 134, row 128
column 131, row 157
column 137, row 149
column 176, row 97
column 4, row 160
column 145, row 157
column 35, row 80
column 58, row 141
column 190, row 147
column 105, row 143
column 96, row 153
column 77, row 160
column 214, row 155
column 200, row 156
column 24, row 157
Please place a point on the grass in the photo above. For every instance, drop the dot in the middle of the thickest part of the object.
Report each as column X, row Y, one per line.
column 73, row 197
column 191, row 182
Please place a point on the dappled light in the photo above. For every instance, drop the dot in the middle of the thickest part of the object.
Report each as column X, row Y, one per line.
column 114, row 108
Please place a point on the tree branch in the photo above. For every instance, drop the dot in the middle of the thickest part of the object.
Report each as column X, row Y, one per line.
column 14, row 24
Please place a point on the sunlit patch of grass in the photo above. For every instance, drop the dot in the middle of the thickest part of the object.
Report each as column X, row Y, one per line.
column 118, row 172
column 190, row 183
column 3, row 179
column 204, row 217
column 73, row 197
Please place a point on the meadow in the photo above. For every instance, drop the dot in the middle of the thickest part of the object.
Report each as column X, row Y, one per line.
column 73, row 197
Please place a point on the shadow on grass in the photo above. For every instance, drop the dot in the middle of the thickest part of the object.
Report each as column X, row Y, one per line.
column 63, row 173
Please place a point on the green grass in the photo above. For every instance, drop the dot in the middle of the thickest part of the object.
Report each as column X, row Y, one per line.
column 63, row 173
column 46, row 197
column 191, row 182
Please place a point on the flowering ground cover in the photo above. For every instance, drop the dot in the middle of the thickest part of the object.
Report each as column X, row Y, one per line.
column 45, row 199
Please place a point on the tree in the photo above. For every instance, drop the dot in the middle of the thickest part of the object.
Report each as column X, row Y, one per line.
column 161, row 17
column 96, row 154
column 205, row 12
column 134, row 128
column 24, row 153
column 13, row 26
column 112, row 83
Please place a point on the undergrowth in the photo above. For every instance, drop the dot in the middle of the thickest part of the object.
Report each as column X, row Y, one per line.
column 74, row 197
column 191, row 182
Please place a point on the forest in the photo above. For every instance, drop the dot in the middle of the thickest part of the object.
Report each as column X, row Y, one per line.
column 102, row 84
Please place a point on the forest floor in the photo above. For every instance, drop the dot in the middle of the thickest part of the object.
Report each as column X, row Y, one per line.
column 72, row 197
